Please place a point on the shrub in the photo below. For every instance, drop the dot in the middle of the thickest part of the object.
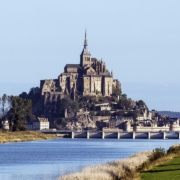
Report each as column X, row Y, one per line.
column 75, row 105
column 157, row 153
column 104, row 113
column 175, row 149
column 144, row 165
column 61, row 121
column 23, row 128
column 128, row 173
column 92, row 113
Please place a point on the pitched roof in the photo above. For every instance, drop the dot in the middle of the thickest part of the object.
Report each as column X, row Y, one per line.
column 73, row 66
column 96, row 75
column 85, row 51
column 42, row 119
column 107, row 76
column 91, row 75
column 93, row 59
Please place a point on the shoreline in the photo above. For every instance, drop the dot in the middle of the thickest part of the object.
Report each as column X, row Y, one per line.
column 23, row 136
column 109, row 170
column 127, row 168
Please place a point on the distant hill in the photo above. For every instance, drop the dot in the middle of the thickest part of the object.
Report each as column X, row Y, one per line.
column 170, row 113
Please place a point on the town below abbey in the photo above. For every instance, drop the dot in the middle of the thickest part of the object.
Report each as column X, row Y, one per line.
column 85, row 97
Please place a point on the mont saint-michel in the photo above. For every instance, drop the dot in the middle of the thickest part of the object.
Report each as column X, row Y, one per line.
column 90, row 77
column 85, row 97
column 94, row 103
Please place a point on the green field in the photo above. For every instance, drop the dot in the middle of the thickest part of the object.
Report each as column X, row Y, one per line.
column 167, row 171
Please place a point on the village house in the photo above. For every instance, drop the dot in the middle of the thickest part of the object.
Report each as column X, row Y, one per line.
column 119, row 121
column 5, row 124
column 40, row 124
column 103, row 107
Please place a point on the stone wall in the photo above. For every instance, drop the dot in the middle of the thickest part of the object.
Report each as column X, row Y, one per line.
column 107, row 86
column 100, row 118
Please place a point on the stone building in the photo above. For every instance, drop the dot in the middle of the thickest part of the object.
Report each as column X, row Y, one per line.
column 89, row 77
column 103, row 107
column 40, row 124
column 5, row 124
column 119, row 121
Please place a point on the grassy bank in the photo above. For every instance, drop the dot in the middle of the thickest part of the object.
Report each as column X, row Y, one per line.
column 151, row 165
column 165, row 171
column 165, row 167
column 6, row 136
column 116, row 170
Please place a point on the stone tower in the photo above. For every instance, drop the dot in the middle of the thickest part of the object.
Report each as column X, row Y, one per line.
column 85, row 57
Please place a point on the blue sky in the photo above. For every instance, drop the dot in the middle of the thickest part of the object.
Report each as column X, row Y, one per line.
column 139, row 40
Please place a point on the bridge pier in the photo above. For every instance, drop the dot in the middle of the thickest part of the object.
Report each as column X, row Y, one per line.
column 103, row 134
column 72, row 135
column 87, row 134
column 118, row 135
column 133, row 135
column 179, row 135
column 149, row 135
column 164, row 135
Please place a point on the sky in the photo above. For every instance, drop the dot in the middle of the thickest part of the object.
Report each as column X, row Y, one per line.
column 139, row 40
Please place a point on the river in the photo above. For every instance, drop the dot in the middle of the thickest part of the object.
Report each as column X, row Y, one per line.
column 47, row 160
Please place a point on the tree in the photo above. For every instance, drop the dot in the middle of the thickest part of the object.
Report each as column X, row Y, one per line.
column 20, row 109
column 124, row 96
column 93, row 108
column 102, row 99
column 75, row 105
column 34, row 94
column 114, row 98
column 61, row 121
column 140, row 103
column 92, row 113
column 24, row 95
column 116, row 92
column 91, row 99
column 62, row 104
column 104, row 113
column 124, row 104
column 4, row 102
column 81, row 105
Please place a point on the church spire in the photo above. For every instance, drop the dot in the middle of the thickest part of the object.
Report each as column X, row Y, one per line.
column 85, row 49
column 85, row 40
column 85, row 57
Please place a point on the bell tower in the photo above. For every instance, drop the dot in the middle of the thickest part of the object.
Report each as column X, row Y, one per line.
column 85, row 57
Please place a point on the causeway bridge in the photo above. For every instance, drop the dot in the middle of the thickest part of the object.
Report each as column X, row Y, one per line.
column 112, row 134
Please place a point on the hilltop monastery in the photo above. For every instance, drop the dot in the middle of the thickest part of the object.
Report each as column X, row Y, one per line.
column 89, row 77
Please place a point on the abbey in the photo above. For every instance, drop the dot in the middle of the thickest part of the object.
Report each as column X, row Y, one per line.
column 90, row 77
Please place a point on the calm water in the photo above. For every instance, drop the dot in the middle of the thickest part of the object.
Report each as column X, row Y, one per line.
column 47, row 160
